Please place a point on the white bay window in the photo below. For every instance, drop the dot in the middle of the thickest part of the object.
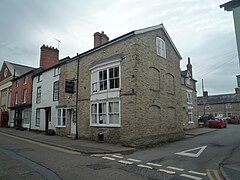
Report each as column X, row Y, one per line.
column 105, row 79
column 105, row 114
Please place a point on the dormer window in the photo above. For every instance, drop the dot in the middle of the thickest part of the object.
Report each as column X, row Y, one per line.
column 161, row 47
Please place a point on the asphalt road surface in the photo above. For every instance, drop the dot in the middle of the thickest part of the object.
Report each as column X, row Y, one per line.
column 193, row 158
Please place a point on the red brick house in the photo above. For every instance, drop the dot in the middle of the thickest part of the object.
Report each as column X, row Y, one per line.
column 21, row 100
column 9, row 71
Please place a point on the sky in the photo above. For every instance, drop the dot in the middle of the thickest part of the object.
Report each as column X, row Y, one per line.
column 199, row 29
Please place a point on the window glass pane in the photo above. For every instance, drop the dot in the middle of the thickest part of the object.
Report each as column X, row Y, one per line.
column 111, row 73
column 111, row 83
column 110, row 108
column 117, row 83
column 105, row 74
column 116, row 107
column 116, row 72
column 100, row 76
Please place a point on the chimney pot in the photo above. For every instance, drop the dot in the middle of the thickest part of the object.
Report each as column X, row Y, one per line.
column 100, row 38
column 205, row 94
column 49, row 56
column 237, row 90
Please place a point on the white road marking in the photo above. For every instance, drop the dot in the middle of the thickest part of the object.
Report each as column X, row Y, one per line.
column 186, row 153
column 198, row 173
column 191, row 177
column 109, row 158
column 154, row 164
column 144, row 166
column 166, row 171
column 135, row 160
column 125, row 162
column 175, row 168
column 116, row 156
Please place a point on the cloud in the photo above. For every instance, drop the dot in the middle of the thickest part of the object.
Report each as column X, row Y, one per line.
column 199, row 29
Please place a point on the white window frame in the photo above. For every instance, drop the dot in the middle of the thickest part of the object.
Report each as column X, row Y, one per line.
column 57, row 71
column 189, row 97
column 39, row 78
column 100, row 121
column 39, row 94
column 38, row 112
column 161, row 47
column 24, row 95
column 55, row 91
column 16, row 98
column 95, row 78
column 25, row 80
column 17, row 83
column 61, row 117
column 190, row 115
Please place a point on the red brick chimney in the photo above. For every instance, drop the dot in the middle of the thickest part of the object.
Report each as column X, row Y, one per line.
column 100, row 38
column 49, row 56
column 237, row 90
column 189, row 67
column 205, row 94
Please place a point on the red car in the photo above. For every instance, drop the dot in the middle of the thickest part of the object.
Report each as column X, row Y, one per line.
column 217, row 122
column 234, row 120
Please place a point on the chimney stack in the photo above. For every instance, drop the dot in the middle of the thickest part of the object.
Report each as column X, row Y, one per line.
column 189, row 67
column 100, row 38
column 237, row 90
column 205, row 94
column 49, row 56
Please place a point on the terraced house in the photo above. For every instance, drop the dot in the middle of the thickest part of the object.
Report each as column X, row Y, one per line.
column 127, row 90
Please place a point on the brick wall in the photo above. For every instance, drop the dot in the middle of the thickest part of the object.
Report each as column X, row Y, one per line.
column 48, row 56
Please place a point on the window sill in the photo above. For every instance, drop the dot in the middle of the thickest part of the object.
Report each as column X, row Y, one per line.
column 106, row 91
column 106, row 125
column 60, row 126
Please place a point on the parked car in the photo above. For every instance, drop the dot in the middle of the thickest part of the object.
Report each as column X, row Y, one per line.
column 203, row 120
column 234, row 120
column 217, row 122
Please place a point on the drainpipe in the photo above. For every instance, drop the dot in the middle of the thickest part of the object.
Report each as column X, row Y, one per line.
column 77, row 98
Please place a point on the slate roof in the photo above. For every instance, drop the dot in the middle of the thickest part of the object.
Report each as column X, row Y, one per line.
column 128, row 35
column 219, row 99
column 18, row 69
column 229, row 6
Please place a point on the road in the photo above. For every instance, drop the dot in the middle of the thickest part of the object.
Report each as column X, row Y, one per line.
column 192, row 158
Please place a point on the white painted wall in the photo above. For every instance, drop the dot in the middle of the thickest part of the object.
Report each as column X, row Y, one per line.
column 46, row 84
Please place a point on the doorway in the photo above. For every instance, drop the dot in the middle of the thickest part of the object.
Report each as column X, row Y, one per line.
column 73, row 121
column 48, row 117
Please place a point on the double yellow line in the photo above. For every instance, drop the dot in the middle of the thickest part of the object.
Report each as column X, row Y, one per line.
column 214, row 174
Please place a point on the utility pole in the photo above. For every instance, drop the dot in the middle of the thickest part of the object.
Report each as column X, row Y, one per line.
column 204, row 100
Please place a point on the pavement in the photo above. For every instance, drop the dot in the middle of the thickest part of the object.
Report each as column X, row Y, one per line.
column 230, row 167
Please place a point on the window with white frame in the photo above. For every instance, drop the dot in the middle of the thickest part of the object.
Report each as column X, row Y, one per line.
column 114, row 77
column 17, row 83
column 161, row 47
column 189, row 97
column 37, row 117
column 55, row 91
column 38, row 97
column 39, row 78
column 103, row 80
column 26, row 116
column 25, row 80
column 105, row 114
column 106, row 79
column 56, row 71
column 24, row 95
column 190, row 115
column 16, row 97
column 61, row 115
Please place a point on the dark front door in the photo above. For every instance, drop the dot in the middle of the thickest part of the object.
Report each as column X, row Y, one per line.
column 48, row 117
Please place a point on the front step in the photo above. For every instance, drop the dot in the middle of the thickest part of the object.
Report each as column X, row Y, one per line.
column 72, row 136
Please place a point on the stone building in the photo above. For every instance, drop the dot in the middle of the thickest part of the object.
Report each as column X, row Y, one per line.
column 189, row 98
column 128, row 90
column 227, row 105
